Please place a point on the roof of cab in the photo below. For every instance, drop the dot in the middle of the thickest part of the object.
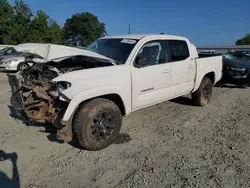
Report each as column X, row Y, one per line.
column 140, row 36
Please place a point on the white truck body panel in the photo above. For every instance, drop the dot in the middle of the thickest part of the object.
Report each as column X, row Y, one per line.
column 140, row 87
column 96, row 82
column 206, row 65
column 149, row 85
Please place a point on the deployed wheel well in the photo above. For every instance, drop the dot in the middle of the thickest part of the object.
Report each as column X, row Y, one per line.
column 211, row 76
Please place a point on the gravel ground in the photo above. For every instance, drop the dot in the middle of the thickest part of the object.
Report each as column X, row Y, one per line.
column 173, row 144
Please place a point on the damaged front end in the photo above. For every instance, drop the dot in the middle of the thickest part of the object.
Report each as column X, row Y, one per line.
column 39, row 101
column 37, row 97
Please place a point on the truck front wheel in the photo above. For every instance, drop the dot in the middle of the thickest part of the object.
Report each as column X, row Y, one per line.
column 97, row 123
column 202, row 96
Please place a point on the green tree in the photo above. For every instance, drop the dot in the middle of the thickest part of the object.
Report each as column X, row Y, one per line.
column 22, row 15
column 38, row 28
column 7, row 23
column 244, row 41
column 83, row 28
column 54, row 33
column 42, row 29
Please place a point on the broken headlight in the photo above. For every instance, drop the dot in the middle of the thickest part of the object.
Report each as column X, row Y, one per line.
column 62, row 85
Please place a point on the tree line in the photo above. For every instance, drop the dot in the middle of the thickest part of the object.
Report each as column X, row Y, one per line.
column 244, row 41
column 20, row 25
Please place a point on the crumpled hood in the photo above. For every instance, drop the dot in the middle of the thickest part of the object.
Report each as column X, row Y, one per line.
column 53, row 52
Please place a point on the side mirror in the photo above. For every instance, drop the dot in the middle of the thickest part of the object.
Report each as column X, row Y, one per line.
column 141, row 61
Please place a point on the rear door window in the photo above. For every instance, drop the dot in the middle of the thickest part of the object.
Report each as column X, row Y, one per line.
column 178, row 50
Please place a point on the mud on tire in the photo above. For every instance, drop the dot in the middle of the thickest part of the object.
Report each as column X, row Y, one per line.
column 202, row 96
column 97, row 123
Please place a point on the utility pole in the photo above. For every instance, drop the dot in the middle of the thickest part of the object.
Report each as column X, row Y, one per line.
column 129, row 29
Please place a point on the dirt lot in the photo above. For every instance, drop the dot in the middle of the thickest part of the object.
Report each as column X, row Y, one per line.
column 173, row 144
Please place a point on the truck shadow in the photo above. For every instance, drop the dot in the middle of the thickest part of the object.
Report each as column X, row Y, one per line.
column 183, row 100
column 122, row 138
column 225, row 84
column 230, row 86
column 5, row 71
column 47, row 127
column 13, row 182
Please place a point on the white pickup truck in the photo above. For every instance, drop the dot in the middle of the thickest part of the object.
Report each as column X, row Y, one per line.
column 86, row 93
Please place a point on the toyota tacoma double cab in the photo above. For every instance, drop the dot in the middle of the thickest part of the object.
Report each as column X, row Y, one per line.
column 86, row 93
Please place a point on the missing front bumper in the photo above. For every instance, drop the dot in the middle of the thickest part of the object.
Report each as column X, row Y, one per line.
column 33, row 101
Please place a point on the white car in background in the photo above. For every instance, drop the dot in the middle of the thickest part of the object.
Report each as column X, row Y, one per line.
column 208, row 52
column 15, row 63
column 19, row 61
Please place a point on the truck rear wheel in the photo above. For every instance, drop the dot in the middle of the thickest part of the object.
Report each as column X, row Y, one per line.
column 202, row 96
column 97, row 123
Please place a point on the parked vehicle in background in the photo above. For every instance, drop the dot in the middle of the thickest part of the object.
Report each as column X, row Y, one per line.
column 2, row 46
column 208, row 52
column 11, row 59
column 246, row 52
column 236, row 69
column 86, row 93
column 16, row 58
column 14, row 63
column 8, row 52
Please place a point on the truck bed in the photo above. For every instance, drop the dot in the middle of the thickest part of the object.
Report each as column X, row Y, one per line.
column 210, row 64
column 209, row 55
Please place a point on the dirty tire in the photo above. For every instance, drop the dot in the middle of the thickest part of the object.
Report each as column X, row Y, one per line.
column 22, row 65
column 85, row 121
column 202, row 96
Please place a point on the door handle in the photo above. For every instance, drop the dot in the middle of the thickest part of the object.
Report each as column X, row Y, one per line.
column 190, row 66
column 165, row 71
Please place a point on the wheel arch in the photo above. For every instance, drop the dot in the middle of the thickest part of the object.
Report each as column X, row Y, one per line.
column 85, row 96
column 210, row 75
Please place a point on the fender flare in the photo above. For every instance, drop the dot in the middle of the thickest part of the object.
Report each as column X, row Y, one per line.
column 89, row 94
column 198, row 81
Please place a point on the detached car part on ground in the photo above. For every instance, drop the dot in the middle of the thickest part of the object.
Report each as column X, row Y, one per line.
column 85, row 93
column 236, row 69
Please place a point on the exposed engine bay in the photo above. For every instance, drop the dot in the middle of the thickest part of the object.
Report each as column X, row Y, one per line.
column 48, row 71
column 37, row 96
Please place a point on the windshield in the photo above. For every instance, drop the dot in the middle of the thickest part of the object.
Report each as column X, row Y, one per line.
column 117, row 49
column 238, row 56
column 3, row 50
column 8, row 51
